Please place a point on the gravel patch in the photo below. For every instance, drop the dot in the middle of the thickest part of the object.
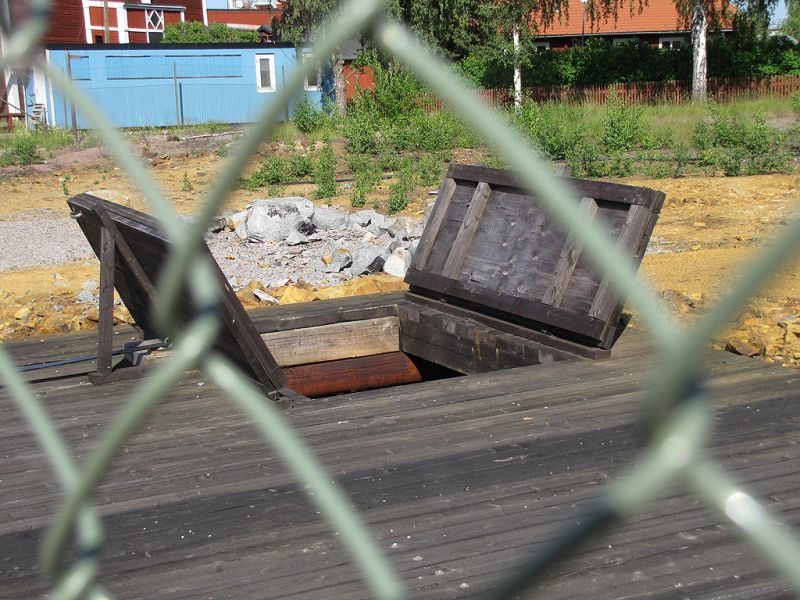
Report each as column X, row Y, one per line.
column 38, row 242
column 40, row 239
column 276, row 263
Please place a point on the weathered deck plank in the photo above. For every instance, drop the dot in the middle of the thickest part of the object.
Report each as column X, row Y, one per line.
column 468, row 474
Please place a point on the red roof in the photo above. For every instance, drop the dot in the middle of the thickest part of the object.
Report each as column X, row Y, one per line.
column 657, row 17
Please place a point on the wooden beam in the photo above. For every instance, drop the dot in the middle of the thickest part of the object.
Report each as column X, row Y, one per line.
column 352, row 374
column 570, row 254
column 105, row 330
column 126, row 253
column 434, row 223
column 635, row 224
column 336, row 341
column 466, row 233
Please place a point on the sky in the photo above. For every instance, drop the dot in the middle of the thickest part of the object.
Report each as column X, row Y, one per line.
column 780, row 13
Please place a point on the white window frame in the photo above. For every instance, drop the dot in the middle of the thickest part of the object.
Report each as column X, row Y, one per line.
column 312, row 88
column 671, row 40
column 542, row 45
column 92, row 30
column 623, row 40
column 271, row 59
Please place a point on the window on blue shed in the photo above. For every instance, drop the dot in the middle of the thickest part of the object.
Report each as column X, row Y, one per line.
column 312, row 81
column 265, row 73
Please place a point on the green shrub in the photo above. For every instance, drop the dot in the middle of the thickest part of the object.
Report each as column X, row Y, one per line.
column 388, row 158
column 366, row 177
column 325, row 172
column 430, row 169
column 400, row 190
column 585, row 161
column 23, row 150
column 794, row 100
column 360, row 125
column 555, row 128
column 779, row 161
column 680, row 158
column 396, row 91
column 622, row 127
column 306, row 116
column 300, row 165
column 760, row 138
column 271, row 171
column 619, row 165
column 729, row 160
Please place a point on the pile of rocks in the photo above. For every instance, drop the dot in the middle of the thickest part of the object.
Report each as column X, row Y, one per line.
column 276, row 240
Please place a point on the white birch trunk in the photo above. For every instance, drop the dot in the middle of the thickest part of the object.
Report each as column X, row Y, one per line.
column 517, row 68
column 699, row 55
column 338, row 84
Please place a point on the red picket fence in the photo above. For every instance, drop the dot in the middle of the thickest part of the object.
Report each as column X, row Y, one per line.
column 647, row 92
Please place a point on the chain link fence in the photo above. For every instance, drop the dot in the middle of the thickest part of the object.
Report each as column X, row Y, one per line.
column 675, row 411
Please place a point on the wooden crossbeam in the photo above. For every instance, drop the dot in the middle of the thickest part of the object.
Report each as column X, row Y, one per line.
column 568, row 258
column 466, row 233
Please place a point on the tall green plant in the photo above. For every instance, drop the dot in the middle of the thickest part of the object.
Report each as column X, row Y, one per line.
column 325, row 172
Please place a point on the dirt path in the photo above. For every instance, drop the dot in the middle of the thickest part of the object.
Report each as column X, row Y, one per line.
column 708, row 231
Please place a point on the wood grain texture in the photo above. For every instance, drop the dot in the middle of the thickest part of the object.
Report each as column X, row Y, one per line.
column 337, row 341
column 434, row 222
column 635, row 225
column 470, row 474
column 466, row 233
column 508, row 254
column 568, row 259
column 149, row 248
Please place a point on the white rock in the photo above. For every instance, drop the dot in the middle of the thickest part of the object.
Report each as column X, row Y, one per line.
column 363, row 218
column 274, row 219
column 295, row 237
column 86, row 297
column 397, row 263
column 236, row 220
column 366, row 260
column 339, row 262
column 330, row 218
column 264, row 296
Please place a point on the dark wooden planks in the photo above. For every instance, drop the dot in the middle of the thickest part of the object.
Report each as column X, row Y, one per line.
column 143, row 249
column 568, row 259
column 491, row 244
column 466, row 233
column 467, row 474
column 435, row 221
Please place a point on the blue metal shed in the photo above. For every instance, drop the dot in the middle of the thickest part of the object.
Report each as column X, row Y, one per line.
column 140, row 85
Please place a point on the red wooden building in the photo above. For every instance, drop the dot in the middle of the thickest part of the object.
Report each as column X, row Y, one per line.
column 131, row 21
column 658, row 23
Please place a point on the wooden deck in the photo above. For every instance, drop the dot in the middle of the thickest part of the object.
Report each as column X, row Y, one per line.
column 457, row 479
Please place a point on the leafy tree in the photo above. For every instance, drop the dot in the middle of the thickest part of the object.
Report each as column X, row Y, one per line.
column 452, row 26
column 791, row 25
column 302, row 20
column 194, row 32
column 702, row 14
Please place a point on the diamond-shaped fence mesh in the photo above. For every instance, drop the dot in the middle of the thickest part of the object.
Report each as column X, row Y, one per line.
column 674, row 410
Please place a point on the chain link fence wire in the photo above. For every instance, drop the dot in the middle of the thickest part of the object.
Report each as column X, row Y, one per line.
column 674, row 410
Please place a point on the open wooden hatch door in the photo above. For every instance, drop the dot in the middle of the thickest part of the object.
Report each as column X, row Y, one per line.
column 132, row 249
column 490, row 246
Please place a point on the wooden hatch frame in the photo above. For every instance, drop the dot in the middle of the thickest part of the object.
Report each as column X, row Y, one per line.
column 473, row 252
column 494, row 284
column 132, row 249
